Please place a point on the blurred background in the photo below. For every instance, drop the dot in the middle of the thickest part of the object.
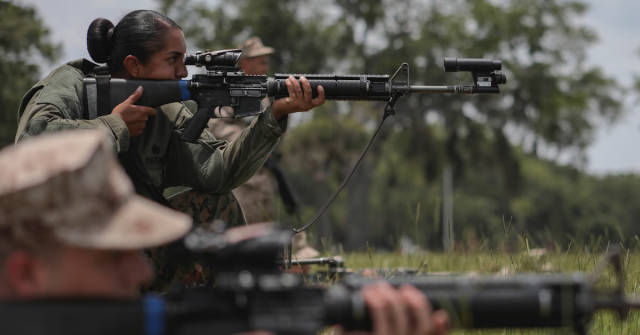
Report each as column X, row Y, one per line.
column 550, row 162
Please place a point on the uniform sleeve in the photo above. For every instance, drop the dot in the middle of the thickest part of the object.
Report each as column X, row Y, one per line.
column 219, row 166
column 39, row 118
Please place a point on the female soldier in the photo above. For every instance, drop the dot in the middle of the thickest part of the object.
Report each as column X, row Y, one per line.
column 148, row 45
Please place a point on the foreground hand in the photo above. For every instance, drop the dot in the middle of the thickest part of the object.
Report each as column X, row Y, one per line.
column 299, row 99
column 134, row 116
column 402, row 311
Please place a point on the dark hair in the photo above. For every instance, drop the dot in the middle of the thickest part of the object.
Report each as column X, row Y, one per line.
column 140, row 33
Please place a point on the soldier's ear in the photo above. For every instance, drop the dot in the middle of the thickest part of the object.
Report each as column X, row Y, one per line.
column 23, row 272
column 133, row 66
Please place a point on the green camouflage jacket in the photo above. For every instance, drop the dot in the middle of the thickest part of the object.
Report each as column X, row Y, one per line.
column 158, row 158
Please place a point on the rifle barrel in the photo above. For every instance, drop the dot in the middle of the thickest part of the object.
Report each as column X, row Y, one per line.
column 454, row 89
column 462, row 89
column 618, row 303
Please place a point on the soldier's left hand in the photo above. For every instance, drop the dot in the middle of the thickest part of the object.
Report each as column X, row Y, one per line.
column 402, row 311
column 299, row 100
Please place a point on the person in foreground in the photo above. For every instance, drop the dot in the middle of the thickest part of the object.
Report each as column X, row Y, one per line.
column 71, row 225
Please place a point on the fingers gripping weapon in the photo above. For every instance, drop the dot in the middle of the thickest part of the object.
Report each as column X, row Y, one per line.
column 225, row 85
column 566, row 301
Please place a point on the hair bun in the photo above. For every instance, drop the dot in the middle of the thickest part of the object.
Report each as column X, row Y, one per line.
column 100, row 39
column 110, row 35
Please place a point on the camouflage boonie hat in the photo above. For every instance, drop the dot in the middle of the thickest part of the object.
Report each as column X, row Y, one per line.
column 253, row 47
column 69, row 185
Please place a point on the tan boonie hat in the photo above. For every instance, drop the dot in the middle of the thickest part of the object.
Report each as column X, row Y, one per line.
column 300, row 248
column 71, row 186
column 253, row 47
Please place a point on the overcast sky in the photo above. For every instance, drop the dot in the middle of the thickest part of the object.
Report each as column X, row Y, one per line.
column 615, row 21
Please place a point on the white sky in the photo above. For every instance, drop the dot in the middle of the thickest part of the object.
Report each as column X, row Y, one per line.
column 615, row 21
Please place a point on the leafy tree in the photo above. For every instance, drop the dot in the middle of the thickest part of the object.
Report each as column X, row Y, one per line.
column 24, row 41
column 302, row 43
column 550, row 104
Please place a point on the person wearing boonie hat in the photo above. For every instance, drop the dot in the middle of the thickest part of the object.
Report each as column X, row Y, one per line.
column 256, row 195
column 71, row 223
column 255, row 56
column 71, row 226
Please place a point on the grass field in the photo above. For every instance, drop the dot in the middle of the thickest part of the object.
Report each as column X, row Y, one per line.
column 527, row 261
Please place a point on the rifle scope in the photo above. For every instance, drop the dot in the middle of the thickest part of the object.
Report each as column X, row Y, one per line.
column 214, row 59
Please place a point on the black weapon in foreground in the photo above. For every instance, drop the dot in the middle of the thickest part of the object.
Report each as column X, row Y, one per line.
column 225, row 85
column 255, row 296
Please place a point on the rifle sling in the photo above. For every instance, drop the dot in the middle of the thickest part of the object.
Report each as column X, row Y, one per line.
column 104, row 94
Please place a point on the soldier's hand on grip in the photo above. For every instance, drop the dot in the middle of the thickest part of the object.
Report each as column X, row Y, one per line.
column 133, row 115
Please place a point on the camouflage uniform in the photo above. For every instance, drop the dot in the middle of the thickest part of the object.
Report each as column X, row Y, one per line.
column 158, row 158
column 257, row 194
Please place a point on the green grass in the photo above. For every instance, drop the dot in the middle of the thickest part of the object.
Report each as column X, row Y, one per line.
column 487, row 262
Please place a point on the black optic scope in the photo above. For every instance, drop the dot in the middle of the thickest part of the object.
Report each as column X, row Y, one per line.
column 215, row 60
column 471, row 64
column 483, row 71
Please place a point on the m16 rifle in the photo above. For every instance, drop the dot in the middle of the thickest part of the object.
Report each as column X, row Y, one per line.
column 225, row 85
column 251, row 294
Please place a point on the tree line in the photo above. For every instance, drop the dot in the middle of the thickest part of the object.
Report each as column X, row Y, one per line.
column 498, row 150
